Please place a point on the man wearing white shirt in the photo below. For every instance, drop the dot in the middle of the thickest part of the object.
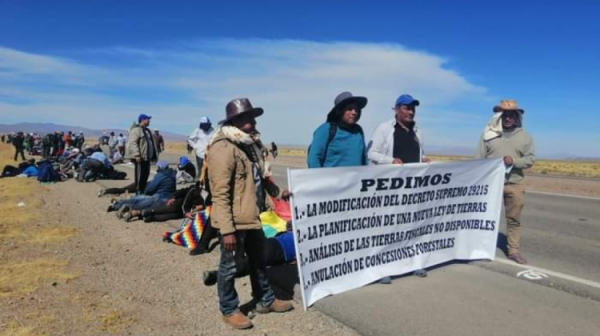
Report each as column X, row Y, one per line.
column 199, row 140
column 398, row 141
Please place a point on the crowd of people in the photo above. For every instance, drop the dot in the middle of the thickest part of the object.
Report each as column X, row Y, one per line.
column 63, row 156
column 232, row 178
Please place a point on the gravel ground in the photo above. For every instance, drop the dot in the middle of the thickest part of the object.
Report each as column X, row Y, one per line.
column 132, row 283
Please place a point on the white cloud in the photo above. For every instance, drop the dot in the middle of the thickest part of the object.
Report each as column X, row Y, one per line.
column 294, row 81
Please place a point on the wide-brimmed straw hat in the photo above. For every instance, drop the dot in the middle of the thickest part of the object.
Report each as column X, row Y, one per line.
column 508, row 105
column 240, row 106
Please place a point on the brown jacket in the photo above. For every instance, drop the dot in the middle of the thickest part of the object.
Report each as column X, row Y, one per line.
column 233, row 189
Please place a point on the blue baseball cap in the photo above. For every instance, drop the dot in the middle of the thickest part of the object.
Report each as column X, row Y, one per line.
column 183, row 161
column 407, row 99
column 143, row 117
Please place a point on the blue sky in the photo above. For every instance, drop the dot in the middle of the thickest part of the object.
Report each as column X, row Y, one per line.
column 100, row 63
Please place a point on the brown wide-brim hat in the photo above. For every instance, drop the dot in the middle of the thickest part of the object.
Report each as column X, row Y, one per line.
column 343, row 99
column 508, row 105
column 238, row 107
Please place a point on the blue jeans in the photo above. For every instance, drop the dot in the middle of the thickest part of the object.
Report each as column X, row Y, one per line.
column 139, row 202
column 253, row 244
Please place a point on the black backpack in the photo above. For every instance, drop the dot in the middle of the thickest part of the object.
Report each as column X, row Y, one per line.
column 333, row 127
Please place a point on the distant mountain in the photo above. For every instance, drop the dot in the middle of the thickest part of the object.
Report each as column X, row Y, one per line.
column 45, row 128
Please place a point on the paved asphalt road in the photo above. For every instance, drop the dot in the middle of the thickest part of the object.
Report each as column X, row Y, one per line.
column 561, row 239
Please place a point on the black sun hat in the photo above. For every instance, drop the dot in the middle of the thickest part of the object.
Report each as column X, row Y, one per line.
column 343, row 99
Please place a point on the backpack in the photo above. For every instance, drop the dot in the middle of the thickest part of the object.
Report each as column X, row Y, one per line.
column 46, row 173
column 333, row 127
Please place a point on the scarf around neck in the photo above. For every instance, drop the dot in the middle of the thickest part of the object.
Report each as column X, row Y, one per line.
column 248, row 143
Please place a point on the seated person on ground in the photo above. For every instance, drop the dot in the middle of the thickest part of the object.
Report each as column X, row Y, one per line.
column 117, row 158
column 186, row 171
column 279, row 250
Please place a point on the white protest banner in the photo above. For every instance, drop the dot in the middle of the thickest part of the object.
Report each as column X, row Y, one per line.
column 355, row 225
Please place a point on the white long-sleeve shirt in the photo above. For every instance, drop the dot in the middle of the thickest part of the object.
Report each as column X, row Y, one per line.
column 381, row 147
column 199, row 140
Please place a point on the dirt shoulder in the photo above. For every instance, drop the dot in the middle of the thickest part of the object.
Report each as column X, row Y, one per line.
column 128, row 282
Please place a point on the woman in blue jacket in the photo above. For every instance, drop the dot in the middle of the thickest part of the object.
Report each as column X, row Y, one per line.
column 340, row 141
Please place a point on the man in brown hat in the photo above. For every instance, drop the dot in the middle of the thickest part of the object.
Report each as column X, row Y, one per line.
column 239, row 190
column 505, row 137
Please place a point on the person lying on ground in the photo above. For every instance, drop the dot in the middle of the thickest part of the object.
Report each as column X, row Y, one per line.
column 184, row 203
column 160, row 189
column 26, row 168
column 72, row 161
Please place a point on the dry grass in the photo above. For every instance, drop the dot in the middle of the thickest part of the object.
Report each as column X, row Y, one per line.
column 26, row 272
column 17, row 220
column 114, row 321
column 14, row 329
column 25, row 277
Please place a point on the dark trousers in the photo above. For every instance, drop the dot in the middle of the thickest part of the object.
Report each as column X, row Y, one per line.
column 250, row 243
column 163, row 212
column 118, row 191
column 19, row 150
column 10, row 171
column 142, row 173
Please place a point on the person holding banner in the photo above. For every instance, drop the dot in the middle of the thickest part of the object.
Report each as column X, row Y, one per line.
column 239, row 190
column 398, row 141
column 340, row 141
column 505, row 137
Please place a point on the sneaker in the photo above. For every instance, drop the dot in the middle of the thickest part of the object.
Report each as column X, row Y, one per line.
column 518, row 258
column 209, row 278
column 277, row 306
column 127, row 217
column 101, row 192
column 110, row 208
column 421, row 273
column 238, row 320
column 122, row 211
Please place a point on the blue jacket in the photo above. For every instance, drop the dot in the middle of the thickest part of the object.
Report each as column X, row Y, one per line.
column 30, row 171
column 346, row 149
column 163, row 184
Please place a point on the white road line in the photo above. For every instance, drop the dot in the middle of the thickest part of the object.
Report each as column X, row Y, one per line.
column 552, row 273
column 562, row 195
